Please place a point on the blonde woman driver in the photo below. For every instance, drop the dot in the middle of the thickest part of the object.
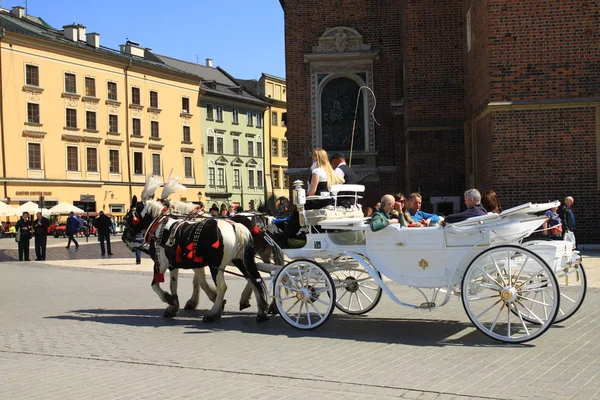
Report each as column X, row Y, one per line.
column 322, row 178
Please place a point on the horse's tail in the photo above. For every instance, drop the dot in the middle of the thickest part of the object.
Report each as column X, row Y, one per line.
column 246, row 245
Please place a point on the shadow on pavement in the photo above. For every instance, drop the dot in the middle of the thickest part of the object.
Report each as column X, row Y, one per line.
column 416, row 332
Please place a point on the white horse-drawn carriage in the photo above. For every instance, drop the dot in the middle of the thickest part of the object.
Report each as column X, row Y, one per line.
column 511, row 289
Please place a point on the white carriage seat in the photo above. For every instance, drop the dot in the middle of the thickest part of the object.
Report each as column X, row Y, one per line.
column 469, row 232
column 352, row 192
column 328, row 213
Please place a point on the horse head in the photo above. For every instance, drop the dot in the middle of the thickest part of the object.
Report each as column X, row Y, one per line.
column 136, row 220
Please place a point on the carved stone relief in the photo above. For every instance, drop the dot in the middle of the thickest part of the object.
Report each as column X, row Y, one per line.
column 33, row 97
column 71, row 102
column 153, row 116
column 340, row 39
column 136, row 113
column 112, row 109
column 91, row 105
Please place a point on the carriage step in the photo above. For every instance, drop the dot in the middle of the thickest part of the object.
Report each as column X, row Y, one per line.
column 427, row 305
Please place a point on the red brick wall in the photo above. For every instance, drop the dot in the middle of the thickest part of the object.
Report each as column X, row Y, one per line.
column 543, row 49
column 380, row 25
column 477, row 59
column 541, row 155
column 433, row 63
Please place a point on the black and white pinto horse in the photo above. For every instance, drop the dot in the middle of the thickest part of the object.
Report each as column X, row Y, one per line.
column 190, row 244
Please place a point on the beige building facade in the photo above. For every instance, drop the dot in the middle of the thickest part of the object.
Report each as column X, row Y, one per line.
column 78, row 119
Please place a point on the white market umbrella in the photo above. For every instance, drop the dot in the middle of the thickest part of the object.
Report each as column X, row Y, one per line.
column 29, row 207
column 45, row 212
column 64, row 208
column 7, row 211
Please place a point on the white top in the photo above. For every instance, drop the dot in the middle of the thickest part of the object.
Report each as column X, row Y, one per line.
column 320, row 172
column 339, row 171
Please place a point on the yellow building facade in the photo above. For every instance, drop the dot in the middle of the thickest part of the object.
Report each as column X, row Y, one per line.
column 274, row 90
column 77, row 119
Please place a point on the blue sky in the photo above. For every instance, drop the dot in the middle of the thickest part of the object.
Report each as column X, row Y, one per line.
column 244, row 37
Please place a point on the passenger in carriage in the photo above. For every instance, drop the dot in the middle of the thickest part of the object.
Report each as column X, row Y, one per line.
column 382, row 218
column 214, row 211
column 414, row 210
column 401, row 214
column 338, row 163
column 474, row 208
column 490, row 202
column 321, row 179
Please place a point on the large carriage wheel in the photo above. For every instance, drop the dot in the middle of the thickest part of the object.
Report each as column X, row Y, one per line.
column 304, row 294
column 356, row 291
column 572, row 284
column 499, row 289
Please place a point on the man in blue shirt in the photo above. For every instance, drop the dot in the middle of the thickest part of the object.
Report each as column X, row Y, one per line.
column 414, row 209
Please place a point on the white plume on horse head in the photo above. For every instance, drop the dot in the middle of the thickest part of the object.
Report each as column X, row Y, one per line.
column 171, row 187
column 152, row 184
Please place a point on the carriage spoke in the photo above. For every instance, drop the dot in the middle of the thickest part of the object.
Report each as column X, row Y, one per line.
column 534, row 301
column 531, row 312
column 567, row 297
column 527, row 281
column 343, row 294
column 519, row 273
column 307, row 313
column 293, row 305
column 497, row 316
column 508, row 320
column 545, row 310
column 489, row 276
column 292, row 279
column 485, row 285
column 521, row 318
column 322, row 302
column 489, row 308
column 316, row 310
column 359, row 302
column 290, row 288
column 350, row 303
column 483, row 297
column 364, row 294
column 509, row 272
column 497, row 269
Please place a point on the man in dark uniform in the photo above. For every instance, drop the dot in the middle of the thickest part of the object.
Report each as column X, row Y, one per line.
column 40, row 229
column 338, row 163
column 104, row 224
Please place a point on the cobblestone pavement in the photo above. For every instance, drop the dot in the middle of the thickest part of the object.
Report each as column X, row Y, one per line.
column 97, row 332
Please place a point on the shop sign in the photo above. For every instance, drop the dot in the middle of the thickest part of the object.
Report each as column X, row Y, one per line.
column 32, row 193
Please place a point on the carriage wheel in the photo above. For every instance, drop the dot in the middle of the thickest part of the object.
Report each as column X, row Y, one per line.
column 499, row 288
column 304, row 294
column 356, row 290
column 572, row 284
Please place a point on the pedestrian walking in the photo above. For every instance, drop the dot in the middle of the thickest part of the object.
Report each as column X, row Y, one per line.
column 568, row 219
column 40, row 230
column 23, row 235
column 103, row 225
column 71, row 229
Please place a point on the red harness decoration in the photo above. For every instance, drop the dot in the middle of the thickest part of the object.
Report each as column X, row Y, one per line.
column 255, row 230
column 178, row 254
column 190, row 248
column 159, row 277
column 216, row 244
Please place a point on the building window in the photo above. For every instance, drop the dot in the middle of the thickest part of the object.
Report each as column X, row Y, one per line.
column 113, row 160
column 185, row 105
column 71, row 118
column 187, row 166
column 135, row 96
column 251, row 178
column 70, row 84
column 33, row 113
column 35, row 155
column 259, row 178
column 274, row 118
column 90, row 120
column 137, row 127
column 236, row 147
column 209, row 112
column 249, row 116
column 221, row 177
column 138, row 163
column 187, row 137
column 92, row 159
column 236, row 178
column 259, row 152
column 285, row 181
column 72, row 158
column 32, row 75
column 153, row 99
column 235, row 116
column 211, row 176
column 210, row 144
column 275, row 175
column 274, row 148
column 259, row 120
column 156, row 164
column 90, row 87
column 219, row 113
column 251, row 149
column 113, row 123
column 112, row 91
column 154, row 129
column 284, row 148
column 219, row 145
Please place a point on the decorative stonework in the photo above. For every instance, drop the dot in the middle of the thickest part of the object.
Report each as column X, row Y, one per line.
column 71, row 102
column 91, row 105
column 153, row 116
column 112, row 109
column 113, row 142
column 136, row 112
column 33, row 97
column 340, row 39
column 156, row 146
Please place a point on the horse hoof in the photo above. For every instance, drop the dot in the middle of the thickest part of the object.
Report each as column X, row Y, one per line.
column 190, row 306
column 261, row 318
column 169, row 314
column 273, row 309
column 209, row 318
column 243, row 306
